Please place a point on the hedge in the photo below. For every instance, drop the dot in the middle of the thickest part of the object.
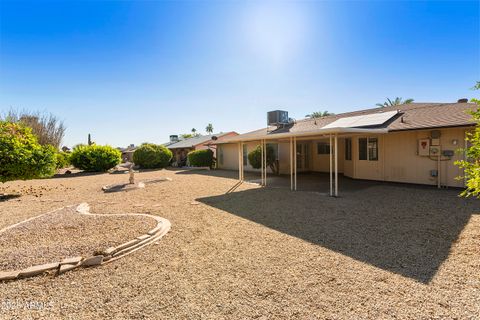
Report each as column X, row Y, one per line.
column 151, row 156
column 95, row 158
column 201, row 158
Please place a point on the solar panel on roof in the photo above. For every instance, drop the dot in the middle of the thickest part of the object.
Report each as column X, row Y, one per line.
column 374, row 119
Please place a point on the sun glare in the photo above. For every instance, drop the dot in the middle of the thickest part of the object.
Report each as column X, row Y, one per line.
column 276, row 31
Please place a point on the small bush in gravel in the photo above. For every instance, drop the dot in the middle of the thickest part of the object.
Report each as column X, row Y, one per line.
column 152, row 156
column 95, row 158
column 21, row 156
column 201, row 158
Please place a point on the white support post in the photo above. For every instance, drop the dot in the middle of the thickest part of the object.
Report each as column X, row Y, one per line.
column 241, row 157
column 239, row 163
column 291, row 163
column 331, row 167
column 336, row 165
column 261, row 167
column 295, row 162
column 265, row 162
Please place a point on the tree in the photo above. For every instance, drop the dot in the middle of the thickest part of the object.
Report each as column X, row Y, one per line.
column 21, row 156
column 471, row 165
column 209, row 128
column 255, row 158
column 397, row 101
column 48, row 128
column 319, row 114
column 194, row 131
column 186, row 135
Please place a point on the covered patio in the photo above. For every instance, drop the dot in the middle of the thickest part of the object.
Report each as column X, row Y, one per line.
column 321, row 182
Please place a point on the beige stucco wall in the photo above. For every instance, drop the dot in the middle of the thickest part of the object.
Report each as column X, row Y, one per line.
column 398, row 158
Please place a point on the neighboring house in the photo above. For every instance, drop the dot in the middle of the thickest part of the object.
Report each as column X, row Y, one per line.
column 181, row 148
column 412, row 143
column 127, row 153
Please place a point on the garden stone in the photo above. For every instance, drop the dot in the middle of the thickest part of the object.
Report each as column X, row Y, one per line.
column 92, row 261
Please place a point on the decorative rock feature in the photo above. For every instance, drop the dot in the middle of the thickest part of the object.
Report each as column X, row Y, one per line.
column 73, row 260
column 39, row 269
column 108, row 255
column 143, row 237
column 4, row 276
column 67, row 267
column 92, row 261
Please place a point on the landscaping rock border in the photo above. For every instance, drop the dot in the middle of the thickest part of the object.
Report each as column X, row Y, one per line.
column 98, row 258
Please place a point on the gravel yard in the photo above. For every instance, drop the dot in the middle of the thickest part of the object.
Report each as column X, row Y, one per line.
column 385, row 251
column 61, row 234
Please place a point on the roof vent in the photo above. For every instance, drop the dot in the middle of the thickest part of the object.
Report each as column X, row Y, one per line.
column 277, row 118
column 463, row 100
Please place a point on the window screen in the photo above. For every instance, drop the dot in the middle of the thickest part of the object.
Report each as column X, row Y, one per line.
column 372, row 149
column 323, row 148
column 362, row 149
column 348, row 149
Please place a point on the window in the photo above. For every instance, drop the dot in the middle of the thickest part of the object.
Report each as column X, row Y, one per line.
column 368, row 149
column 245, row 155
column 348, row 149
column 220, row 155
column 372, row 149
column 274, row 146
column 323, row 148
column 362, row 149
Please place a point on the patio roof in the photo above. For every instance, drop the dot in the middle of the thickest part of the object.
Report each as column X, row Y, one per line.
column 264, row 134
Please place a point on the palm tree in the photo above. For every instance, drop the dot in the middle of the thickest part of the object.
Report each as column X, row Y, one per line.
column 396, row 102
column 209, row 128
column 319, row 114
column 194, row 132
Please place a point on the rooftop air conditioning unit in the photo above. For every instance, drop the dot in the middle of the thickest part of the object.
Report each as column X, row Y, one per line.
column 277, row 118
column 173, row 138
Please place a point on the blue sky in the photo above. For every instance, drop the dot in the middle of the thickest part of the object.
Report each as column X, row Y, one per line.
column 130, row 72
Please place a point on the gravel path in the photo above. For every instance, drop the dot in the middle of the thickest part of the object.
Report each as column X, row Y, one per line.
column 385, row 251
column 65, row 233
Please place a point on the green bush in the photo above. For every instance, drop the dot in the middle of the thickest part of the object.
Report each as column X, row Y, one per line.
column 21, row 156
column 62, row 159
column 150, row 156
column 201, row 158
column 255, row 158
column 95, row 158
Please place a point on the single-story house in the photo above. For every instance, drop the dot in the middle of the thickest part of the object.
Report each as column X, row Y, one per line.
column 127, row 153
column 181, row 148
column 412, row 143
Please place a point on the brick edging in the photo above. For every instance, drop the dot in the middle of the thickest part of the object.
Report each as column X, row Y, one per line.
column 108, row 255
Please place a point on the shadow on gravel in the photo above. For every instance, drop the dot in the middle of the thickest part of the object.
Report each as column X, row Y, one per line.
column 6, row 197
column 403, row 229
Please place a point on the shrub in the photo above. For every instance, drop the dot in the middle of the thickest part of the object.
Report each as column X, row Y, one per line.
column 150, row 156
column 47, row 127
column 21, row 156
column 95, row 158
column 201, row 158
column 255, row 158
column 62, row 159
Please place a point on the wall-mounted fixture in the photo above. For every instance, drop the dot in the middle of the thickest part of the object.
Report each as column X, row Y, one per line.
column 455, row 142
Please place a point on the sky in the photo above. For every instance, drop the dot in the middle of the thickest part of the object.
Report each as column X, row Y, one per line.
column 138, row 71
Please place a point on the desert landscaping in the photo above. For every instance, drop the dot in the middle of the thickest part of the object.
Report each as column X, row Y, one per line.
column 241, row 251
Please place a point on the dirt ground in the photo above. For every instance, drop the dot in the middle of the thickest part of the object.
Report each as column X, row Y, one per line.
column 386, row 251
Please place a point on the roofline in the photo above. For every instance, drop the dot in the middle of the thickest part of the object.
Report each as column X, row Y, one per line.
column 307, row 133
column 438, row 127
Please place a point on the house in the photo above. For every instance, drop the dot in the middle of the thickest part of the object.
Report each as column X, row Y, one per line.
column 181, row 148
column 127, row 153
column 412, row 143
